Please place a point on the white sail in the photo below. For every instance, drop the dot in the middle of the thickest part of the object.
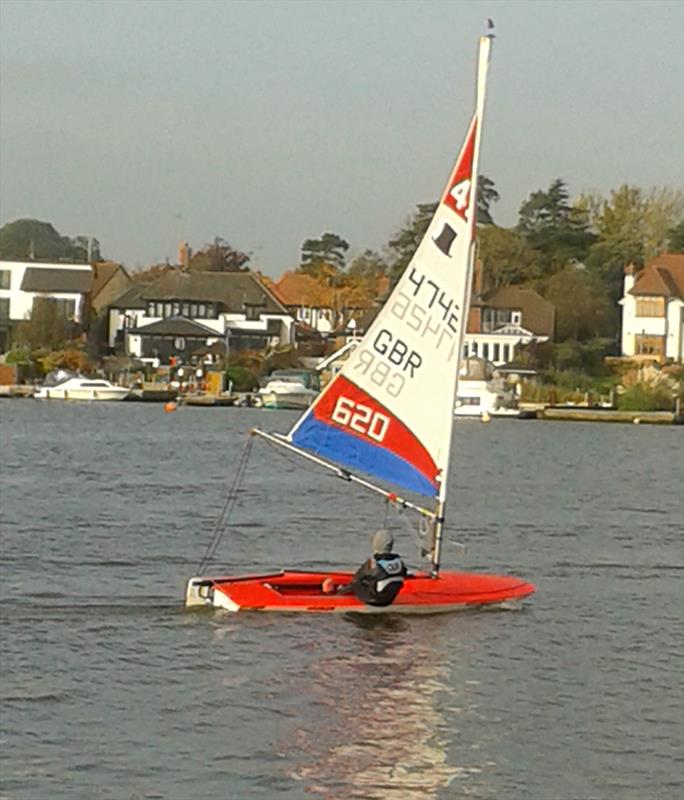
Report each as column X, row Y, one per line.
column 389, row 411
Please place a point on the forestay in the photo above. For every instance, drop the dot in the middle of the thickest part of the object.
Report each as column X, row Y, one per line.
column 389, row 411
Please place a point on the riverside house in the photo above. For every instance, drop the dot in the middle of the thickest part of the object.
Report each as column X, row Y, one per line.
column 504, row 319
column 181, row 312
column 23, row 282
column 653, row 310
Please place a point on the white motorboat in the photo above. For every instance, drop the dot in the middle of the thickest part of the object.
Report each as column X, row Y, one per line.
column 286, row 393
column 294, row 389
column 481, row 398
column 81, row 388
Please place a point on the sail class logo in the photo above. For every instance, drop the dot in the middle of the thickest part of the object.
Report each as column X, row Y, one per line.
column 457, row 194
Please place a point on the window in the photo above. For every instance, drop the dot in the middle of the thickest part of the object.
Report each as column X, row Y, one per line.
column 176, row 309
column 516, row 317
column 496, row 356
column 4, row 309
column 650, row 307
column 5, row 276
column 66, row 308
column 485, row 350
column 201, row 310
column 150, row 309
column 474, row 349
column 465, row 350
column 186, row 309
column 649, row 345
column 160, row 310
column 167, row 310
column 505, row 350
column 252, row 312
column 193, row 309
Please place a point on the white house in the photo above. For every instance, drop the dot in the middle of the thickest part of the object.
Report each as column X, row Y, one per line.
column 182, row 311
column 23, row 281
column 504, row 319
column 653, row 310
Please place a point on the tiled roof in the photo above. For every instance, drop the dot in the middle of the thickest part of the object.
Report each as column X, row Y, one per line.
column 131, row 298
column 538, row 314
column 233, row 290
column 175, row 326
column 300, row 289
column 662, row 277
column 38, row 279
column 102, row 272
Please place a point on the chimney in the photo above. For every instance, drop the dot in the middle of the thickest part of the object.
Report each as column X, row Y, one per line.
column 184, row 256
column 630, row 272
column 477, row 278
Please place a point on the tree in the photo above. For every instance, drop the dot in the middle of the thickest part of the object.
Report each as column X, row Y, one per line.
column 632, row 227
column 86, row 248
column 486, row 195
column 47, row 327
column 31, row 238
column 219, row 256
column 506, row 257
column 676, row 237
column 369, row 265
column 406, row 240
column 330, row 248
column 584, row 309
column 553, row 227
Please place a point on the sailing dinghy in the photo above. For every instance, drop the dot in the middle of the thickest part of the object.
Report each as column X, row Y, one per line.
column 388, row 415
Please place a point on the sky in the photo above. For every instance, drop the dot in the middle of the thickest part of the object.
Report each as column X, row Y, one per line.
column 268, row 123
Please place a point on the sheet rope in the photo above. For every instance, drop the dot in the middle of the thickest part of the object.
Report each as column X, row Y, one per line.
column 221, row 523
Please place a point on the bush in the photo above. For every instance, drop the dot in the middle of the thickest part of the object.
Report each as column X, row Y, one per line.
column 643, row 397
column 243, row 379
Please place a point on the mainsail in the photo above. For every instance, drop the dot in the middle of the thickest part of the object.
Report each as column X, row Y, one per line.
column 389, row 412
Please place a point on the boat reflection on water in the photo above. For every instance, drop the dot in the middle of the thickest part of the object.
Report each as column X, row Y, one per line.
column 381, row 733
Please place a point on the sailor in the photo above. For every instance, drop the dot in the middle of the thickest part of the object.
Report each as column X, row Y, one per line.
column 378, row 580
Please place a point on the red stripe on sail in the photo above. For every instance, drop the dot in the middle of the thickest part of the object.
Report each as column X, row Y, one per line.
column 347, row 407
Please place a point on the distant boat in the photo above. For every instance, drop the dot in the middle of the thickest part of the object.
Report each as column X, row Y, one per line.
column 388, row 415
column 77, row 387
column 290, row 389
column 480, row 398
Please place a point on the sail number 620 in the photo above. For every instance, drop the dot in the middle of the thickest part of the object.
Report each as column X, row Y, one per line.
column 360, row 418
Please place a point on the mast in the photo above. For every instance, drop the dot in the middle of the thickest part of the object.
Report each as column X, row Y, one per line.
column 480, row 90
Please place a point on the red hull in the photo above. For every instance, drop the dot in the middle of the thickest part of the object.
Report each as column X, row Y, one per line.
column 303, row 592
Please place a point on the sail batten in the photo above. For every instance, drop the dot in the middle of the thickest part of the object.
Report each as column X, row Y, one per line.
column 389, row 412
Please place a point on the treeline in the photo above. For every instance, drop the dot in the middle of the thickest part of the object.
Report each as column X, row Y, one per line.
column 571, row 252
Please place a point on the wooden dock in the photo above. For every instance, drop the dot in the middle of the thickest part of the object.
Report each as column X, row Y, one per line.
column 579, row 414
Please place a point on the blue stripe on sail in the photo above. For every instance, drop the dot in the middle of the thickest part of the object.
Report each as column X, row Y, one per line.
column 335, row 444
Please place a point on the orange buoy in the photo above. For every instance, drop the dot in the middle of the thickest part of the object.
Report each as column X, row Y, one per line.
column 328, row 586
column 170, row 406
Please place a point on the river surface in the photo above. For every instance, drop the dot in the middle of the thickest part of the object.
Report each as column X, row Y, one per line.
column 109, row 689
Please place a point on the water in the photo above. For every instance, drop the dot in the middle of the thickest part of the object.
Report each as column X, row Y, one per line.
column 109, row 689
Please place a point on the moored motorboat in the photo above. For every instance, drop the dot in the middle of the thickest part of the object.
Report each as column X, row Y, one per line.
column 80, row 388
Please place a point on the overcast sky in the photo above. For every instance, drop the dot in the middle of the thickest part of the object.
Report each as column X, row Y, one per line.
column 266, row 123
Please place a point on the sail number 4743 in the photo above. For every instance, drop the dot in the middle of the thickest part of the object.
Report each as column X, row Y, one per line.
column 360, row 418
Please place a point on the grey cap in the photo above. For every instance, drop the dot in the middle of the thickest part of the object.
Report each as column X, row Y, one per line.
column 382, row 541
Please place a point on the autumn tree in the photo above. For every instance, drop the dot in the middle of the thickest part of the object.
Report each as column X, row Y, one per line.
column 506, row 257
column 219, row 256
column 632, row 226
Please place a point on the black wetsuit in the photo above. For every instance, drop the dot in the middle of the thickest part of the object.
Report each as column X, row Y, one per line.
column 378, row 581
